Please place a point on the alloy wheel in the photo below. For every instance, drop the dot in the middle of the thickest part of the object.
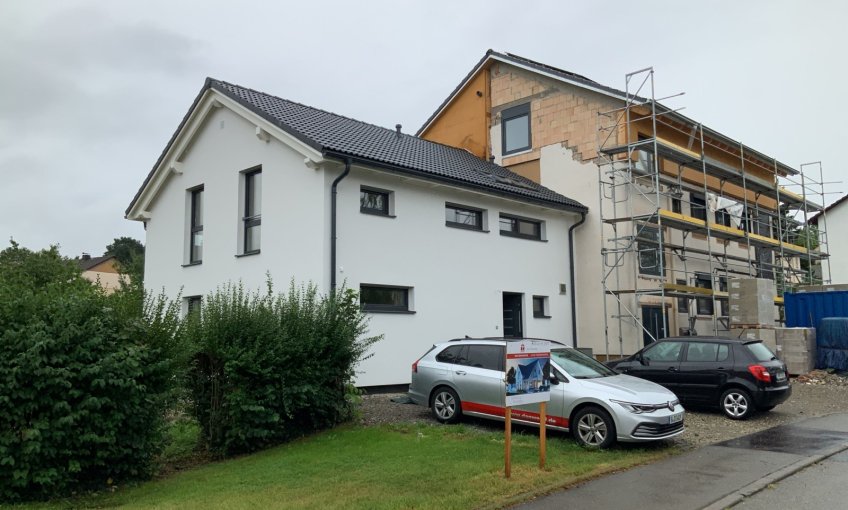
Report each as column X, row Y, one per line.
column 735, row 404
column 445, row 405
column 592, row 429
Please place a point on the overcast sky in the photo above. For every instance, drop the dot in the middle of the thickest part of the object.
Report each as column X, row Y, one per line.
column 91, row 91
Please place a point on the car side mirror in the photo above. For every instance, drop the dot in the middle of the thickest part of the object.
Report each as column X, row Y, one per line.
column 644, row 360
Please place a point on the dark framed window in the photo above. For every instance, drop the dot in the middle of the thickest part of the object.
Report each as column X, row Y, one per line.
column 540, row 307
column 723, row 304
column 514, row 226
column 252, row 210
column 383, row 298
column 682, row 303
column 372, row 201
column 515, row 129
column 451, row 355
column 698, row 207
column 196, row 230
column 490, row 357
column 664, row 351
column 193, row 304
column 463, row 217
column 705, row 304
column 676, row 206
column 722, row 217
column 650, row 261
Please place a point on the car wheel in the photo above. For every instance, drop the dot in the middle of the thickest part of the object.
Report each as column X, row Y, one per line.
column 593, row 428
column 446, row 405
column 736, row 404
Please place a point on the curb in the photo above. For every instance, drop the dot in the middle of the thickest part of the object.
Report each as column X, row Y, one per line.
column 754, row 487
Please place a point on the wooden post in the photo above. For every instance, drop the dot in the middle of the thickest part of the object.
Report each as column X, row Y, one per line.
column 543, row 418
column 507, row 441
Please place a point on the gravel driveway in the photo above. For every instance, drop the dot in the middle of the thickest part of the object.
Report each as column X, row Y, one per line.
column 815, row 394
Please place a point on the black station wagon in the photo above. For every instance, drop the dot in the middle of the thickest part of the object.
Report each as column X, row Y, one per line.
column 738, row 376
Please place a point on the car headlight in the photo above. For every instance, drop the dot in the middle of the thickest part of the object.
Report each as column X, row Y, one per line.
column 646, row 408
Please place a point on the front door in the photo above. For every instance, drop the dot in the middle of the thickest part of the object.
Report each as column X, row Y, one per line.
column 512, row 326
column 654, row 328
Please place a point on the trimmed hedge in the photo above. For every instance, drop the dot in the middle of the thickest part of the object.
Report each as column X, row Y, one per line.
column 84, row 378
column 269, row 367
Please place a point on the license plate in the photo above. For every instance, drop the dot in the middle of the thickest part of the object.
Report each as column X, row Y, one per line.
column 674, row 418
column 780, row 376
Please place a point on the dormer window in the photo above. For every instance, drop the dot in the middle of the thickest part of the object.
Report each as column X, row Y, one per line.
column 515, row 129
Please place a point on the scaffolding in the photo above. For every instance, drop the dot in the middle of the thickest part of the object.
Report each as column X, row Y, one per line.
column 743, row 220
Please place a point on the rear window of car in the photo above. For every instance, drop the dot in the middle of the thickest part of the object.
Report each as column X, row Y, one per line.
column 490, row 357
column 450, row 355
column 760, row 351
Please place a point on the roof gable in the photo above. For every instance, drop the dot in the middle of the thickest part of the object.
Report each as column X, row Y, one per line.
column 340, row 137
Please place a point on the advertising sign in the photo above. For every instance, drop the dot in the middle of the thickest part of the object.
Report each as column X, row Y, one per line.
column 528, row 368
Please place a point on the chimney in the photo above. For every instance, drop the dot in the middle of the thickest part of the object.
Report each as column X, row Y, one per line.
column 397, row 128
column 86, row 256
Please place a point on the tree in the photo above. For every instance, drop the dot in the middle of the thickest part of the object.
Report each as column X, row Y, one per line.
column 130, row 255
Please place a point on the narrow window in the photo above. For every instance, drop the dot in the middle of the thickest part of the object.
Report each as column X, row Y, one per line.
column 515, row 129
column 705, row 304
column 682, row 303
column 383, row 298
column 252, row 211
column 722, row 217
column 540, row 307
column 196, row 230
column 676, row 206
column 698, row 207
column 514, row 226
column 193, row 304
column 463, row 217
column 372, row 201
column 650, row 262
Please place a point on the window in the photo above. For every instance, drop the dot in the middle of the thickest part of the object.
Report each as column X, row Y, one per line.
column 490, row 357
column 540, row 307
column 722, row 217
column 676, row 206
column 706, row 352
column 705, row 304
column 381, row 298
column 664, row 351
column 193, row 304
column 373, row 201
column 514, row 226
column 698, row 207
column 463, row 217
column 196, row 227
column 515, row 129
column 683, row 302
column 451, row 354
column 252, row 210
column 650, row 261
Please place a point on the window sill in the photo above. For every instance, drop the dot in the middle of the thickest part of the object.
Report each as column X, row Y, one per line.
column 465, row 227
column 517, row 152
column 519, row 236
column 399, row 312
column 197, row 263
column 541, row 316
column 376, row 213
column 248, row 253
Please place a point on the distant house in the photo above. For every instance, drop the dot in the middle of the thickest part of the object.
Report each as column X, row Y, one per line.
column 439, row 243
column 835, row 270
column 102, row 270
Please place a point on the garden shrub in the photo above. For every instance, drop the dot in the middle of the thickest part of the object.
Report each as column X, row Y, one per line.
column 269, row 367
column 84, row 377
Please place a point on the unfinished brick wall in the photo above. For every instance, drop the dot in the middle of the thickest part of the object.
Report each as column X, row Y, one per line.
column 559, row 113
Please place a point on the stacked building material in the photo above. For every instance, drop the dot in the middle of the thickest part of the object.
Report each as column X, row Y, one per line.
column 797, row 348
column 751, row 302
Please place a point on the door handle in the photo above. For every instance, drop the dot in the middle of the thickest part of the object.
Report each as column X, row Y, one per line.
column 672, row 369
column 460, row 372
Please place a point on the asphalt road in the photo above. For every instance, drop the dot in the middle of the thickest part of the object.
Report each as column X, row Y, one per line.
column 821, row 485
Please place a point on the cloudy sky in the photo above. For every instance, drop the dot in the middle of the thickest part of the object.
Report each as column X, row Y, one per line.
column 91, row 91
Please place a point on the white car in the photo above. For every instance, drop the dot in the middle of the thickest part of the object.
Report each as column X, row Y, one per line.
column 597, row 405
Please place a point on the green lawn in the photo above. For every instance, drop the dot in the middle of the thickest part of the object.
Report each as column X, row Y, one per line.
column 402, row 466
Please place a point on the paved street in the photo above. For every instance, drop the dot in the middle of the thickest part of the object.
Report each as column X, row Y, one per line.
column 715, row 476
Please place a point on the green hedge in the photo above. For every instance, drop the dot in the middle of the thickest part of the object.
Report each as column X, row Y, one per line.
column 272, row 367
column 84, row 378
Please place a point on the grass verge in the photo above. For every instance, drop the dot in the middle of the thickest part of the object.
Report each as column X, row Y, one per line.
column 418, row 466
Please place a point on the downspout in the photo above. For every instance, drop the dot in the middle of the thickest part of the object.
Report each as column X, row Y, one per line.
column 333, row 196
column 571, row 276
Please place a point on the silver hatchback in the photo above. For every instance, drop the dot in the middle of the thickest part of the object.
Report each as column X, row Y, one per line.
column 597, row 405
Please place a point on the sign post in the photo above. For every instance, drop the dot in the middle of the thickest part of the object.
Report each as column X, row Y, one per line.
column 528, row 368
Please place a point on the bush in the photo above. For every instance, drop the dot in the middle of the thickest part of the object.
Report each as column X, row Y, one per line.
column 269, row 368
column 84, row 377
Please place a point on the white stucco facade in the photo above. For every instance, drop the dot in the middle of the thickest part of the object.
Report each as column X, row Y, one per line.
column 456, row 277
column 836, row 270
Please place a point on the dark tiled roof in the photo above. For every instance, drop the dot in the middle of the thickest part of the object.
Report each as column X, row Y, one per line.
column 86, row 264
column 341, row 136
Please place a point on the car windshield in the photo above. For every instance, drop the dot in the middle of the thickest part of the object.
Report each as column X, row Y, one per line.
column 760, row 351
column 578, row 365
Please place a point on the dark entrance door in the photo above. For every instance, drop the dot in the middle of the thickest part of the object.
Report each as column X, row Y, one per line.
column 652, row 320
column 512, row 326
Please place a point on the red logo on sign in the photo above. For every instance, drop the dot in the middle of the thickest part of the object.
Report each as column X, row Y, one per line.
column 522, row 347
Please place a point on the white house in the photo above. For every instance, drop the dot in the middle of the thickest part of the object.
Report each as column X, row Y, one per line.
column 440, row 244
column 835, row 270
